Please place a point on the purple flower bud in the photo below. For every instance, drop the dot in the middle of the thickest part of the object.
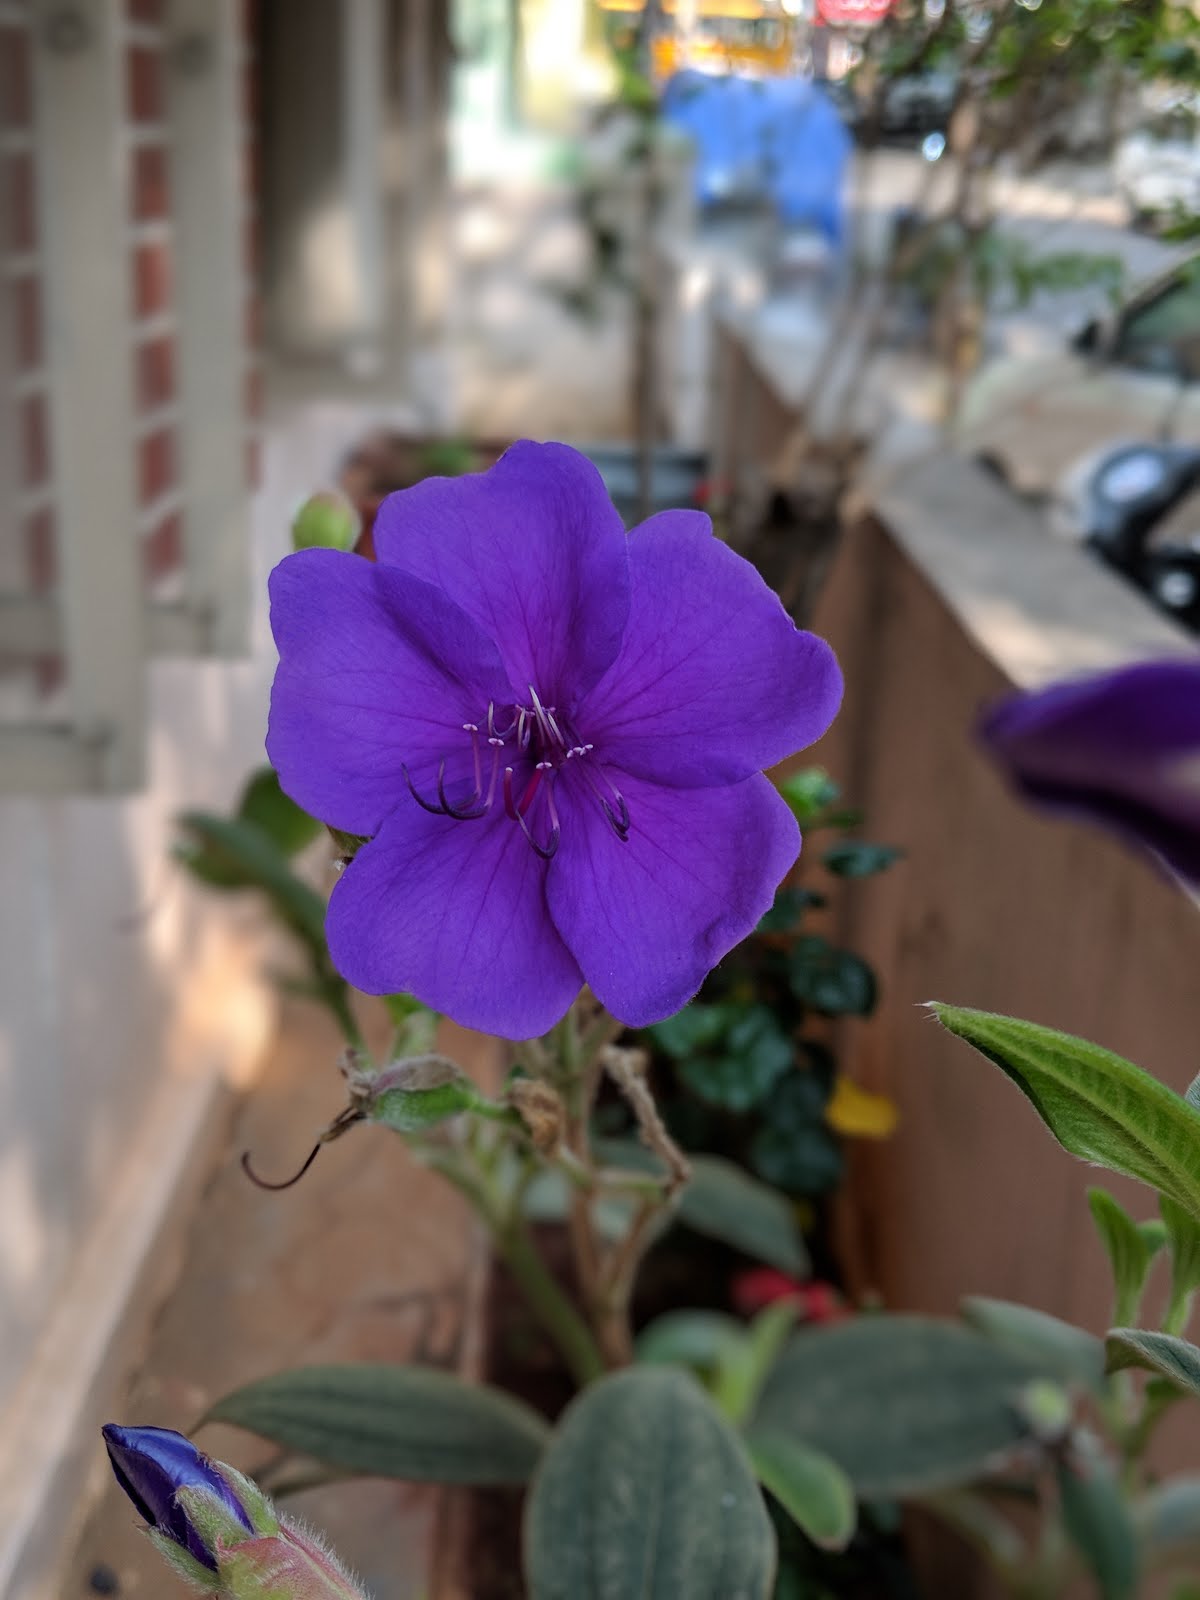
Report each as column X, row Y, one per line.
column 1121, row 749
column 152, row 1465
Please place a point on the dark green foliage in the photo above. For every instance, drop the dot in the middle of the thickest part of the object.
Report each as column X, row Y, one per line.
column 738, row 1072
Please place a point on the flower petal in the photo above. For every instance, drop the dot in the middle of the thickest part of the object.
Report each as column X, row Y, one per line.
column 647, row 920
column 1120, row 748
column 454, row 913
column 534, row 551
column 377, row 670
column 713, row 681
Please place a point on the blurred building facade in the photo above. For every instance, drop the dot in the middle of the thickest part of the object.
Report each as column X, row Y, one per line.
column 183, row 184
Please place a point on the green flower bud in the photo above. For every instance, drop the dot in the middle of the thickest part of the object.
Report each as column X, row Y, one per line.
column 414, row 1094
column 326, row 518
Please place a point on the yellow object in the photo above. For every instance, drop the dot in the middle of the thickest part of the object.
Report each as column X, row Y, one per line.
column 753, row 36
column 856, row 1113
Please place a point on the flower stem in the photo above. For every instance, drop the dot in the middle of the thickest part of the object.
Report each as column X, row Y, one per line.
column 551, row 1306
column 515, row 1247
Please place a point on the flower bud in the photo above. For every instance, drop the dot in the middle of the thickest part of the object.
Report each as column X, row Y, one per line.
column 294, row 1565
column 152, row 1465
column 413, row 1094
column 326, row 518
column 216, row 1527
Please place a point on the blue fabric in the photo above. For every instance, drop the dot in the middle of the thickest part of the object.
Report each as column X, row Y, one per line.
column 781, row 137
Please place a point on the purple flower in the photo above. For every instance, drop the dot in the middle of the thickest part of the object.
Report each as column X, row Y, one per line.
column 553, row 734
column 152, row 1465
column 1121, row 749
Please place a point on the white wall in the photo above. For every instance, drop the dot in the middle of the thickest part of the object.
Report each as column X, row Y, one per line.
column 129, row 1000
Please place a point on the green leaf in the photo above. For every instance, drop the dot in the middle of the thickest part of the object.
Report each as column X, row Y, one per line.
column 745, row 1366
column 903, row 1404
column 1057, row 1348
column 1183, row 1237
column 548, row 1199
column 1129, row 1252
column 694, row 1028
column 700, row 1340
column 264, row 804
column 794, row 1148
column 851, row 859
column 807, row 1161
column 380, row 1421
column 788, row 909
column 1098, row 1106
column 1168, row 1521
column 259, row 863
column 1192, row 1093
column 756, row 1054
column 835, row 982
column 1172, row 1358
column 812, row 1489
column 645, row 1490
column 809, row 792
column 1099, row 1521
column 724, row 1202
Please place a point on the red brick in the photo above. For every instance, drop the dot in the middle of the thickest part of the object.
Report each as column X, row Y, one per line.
column 155, row 364
column 34, row 426
column 18, row 213
column 26, row 308
column 151, row 194
column 162, row 552
column 151, row 11
column 152, row 279
column 41, row 550
column 16, row 78
column 146, row 84
column 156, row 464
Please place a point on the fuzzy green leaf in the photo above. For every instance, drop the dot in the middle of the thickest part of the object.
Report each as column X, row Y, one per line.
column 645, row 1490
column 1099, row 1522
column 1129, row 1251
column 1057, row 1348
column 1097, row 1105
column 812, row 1489
column 1171, row 1358
column 903, row 1404
column 382, row 1421
column 724, row 1202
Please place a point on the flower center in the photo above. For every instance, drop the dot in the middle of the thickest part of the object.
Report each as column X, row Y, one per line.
column 518, row 755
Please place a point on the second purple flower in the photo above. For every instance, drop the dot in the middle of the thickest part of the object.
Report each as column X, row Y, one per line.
column 554, row 736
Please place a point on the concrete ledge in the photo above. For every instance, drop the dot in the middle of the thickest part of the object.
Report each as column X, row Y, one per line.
column 1040, row 607
column 97, row 1330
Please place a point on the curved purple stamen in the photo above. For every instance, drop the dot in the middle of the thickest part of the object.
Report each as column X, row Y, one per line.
column 533, row 729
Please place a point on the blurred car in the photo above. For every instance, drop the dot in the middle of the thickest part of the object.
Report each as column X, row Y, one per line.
column 1132, row 374
column 1157, row 169
column 1137, row 507
column 918, row 104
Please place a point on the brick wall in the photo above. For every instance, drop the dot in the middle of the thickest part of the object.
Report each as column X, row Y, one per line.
column 28, row 552
column 28, row 557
